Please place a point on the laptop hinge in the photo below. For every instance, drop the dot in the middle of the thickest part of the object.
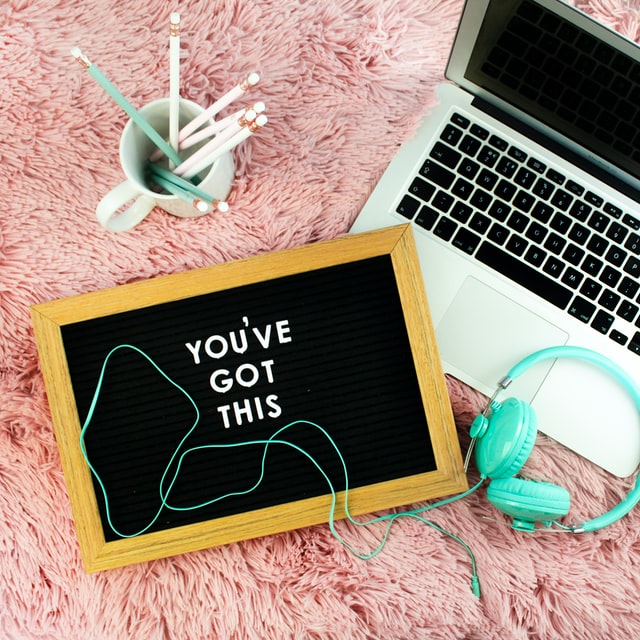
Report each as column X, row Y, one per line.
column 558, row 149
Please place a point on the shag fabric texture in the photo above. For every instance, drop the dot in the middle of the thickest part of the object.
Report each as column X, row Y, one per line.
column 345, row 82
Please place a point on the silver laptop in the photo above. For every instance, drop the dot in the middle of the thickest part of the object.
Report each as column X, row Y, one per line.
column 522, row 188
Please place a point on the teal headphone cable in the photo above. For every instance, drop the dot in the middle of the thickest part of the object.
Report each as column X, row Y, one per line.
column 167, row 483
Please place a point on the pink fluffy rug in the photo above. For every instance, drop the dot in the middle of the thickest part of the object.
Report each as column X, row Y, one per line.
column 345, row 82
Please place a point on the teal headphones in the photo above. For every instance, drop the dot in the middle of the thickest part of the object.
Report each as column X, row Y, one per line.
column 504, row 435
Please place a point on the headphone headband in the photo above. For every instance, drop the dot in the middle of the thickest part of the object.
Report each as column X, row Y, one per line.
column 581, row 353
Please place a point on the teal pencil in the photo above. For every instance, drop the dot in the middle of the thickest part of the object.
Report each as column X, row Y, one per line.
column 183, row 188
column 130, row 110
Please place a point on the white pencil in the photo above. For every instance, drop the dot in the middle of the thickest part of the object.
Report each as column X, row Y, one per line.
column 211, row 146
column 219, row 105
column 174, row 81
column 230, row 144
column 219, row 125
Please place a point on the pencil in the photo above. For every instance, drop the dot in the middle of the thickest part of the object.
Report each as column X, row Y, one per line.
column 135, row 116
column 167, row 176
column 230, row 144
column 219, row 105
column 212, row 145
column 174, row 81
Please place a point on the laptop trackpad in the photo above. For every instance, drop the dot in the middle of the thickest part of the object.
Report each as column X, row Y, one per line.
column 483, row 334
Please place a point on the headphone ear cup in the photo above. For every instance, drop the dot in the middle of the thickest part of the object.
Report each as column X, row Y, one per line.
column 528, row 501
column 507, row 441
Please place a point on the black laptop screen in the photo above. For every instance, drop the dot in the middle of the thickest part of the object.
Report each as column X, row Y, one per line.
column 563, row 76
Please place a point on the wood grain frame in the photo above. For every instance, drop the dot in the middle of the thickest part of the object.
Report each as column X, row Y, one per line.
column 48, row 319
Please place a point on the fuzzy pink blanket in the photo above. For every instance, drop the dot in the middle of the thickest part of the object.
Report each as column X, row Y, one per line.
column 345, row 81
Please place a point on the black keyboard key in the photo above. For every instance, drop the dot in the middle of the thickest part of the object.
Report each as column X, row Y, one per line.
column 542, row 212
column 498, row 233
column 594, row 199
column 460, row 121
column 599, row 221
column 481, row 199
column 516, row 245
column 592, row 265
column 535, row 256
column 518, row 221
column 609, row 299
column 616, row 256
column 536, row 232
column 561, row 199
column 445, row 228
column 573, row 254
column 575, row 188
column 612, row 209
column 618, row 337
column 487, row 179
column 427, row 218
column 632, row 222
column 560, row 223
column 466, row 241
column 523, row 201
column 451, row 135
column 591, row 289
column 524, row 275
column 610, row 276
column 580, row 210
column 629, row 287
column 543, row 188
column 498, row 143
column 525, row 177
column 632, row 267
column 628, row 311
column 437, row 174
column 536, row 165
column 634, row 343
column 597, row 244
column 480, row 223
column 579, row 234
column 408, row 207
column 469, row 145
column 602, row 321
column 421, row 189
column 616, row 232
column 479, row 132
column 582, row 309
column 572, row 278
column 555, row 176
column 445, row 155
column 506, row 167
column 505, row 190
column 517, row 154
column 633, row 243
column 488, row 156
column 461, row 212
column 442, row 201
column 553, row 266
column 462, row 189
column 468, row 168
column 555, row 243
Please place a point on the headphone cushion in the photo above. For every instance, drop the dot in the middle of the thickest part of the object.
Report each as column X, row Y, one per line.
column 529, row 499
column 508, row 440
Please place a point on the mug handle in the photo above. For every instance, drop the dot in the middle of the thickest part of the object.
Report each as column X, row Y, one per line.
column 108, row 207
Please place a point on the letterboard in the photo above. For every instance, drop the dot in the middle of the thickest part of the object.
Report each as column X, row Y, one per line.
column 242, row 392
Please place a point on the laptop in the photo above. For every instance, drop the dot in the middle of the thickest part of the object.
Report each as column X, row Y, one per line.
column 523, row 187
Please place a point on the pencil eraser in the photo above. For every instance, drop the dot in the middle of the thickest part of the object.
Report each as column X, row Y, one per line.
column 259, row 107
column 76, row 53
column 175, row 18
column 253, row 78
column 223, row 207
column 261, row 120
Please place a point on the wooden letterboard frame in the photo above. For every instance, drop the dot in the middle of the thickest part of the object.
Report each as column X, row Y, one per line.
column 337, row 333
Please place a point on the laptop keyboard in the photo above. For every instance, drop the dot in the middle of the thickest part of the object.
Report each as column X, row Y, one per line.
column 532, row 224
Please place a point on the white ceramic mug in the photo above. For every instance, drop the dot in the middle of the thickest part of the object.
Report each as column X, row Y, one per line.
column 135, row 149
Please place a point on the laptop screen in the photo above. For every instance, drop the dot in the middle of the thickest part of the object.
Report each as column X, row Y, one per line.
column 562, row 75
